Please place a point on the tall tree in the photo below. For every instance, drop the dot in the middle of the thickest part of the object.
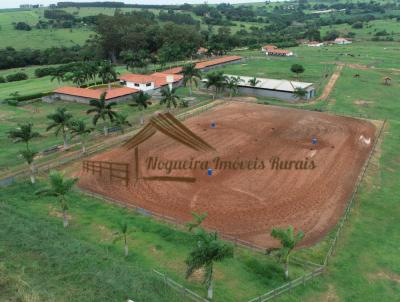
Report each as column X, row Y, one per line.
column 207, row 250
column 297, row 69
column 141, row 100
column 300, row 92
column 121, row 121
column 191, row 75
column 216, row 80
column 59, row 188
column 24, row 133
column 79, row 128
column 288, row 240
column 102, row 110
column 169, row 97
column 107, row 73
column 60, row 120
column 254, row 82
column 232, row 84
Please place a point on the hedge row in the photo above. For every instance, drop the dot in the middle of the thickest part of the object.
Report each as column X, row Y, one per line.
column 19, row 76
column 27, row 97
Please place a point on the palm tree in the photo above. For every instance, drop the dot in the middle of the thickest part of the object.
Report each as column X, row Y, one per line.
column 79, row 77
column 289, row 240
column 59, row 187
column 197, row 220
column 299, row 92
column 232, row 83
column 24, row 133
column 122, row 235
column 102, row 110
column 254, row 82
column 169, row 97
column 79, row 128
column 191, row 75
column 208, row 250
column 107, row 73
column 29, row 157
column 141, row 101
column 58, row 75
column 121, row 120
column 60, row 120
column 216, row 80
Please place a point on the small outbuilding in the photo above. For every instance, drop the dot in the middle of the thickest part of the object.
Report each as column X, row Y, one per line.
column 273, row 88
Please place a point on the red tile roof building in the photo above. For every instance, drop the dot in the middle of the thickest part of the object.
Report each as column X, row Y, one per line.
column 95, row 93
column 207, row 64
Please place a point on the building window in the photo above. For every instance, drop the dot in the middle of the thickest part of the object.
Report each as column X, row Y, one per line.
column 148, row 84
column 137, row 85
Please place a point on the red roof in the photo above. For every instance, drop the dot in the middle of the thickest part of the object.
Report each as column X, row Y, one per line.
column 95, row 93
column 268, row 47
column 174, row 70
column 205, row 64
column 161, row 78
column 278, row 51
column 217, row 61
column 158, row 78
column 137, row 78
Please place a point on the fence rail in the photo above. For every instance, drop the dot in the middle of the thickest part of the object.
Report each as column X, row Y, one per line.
column 115, row 170
column 186, row 293
column 288, row 286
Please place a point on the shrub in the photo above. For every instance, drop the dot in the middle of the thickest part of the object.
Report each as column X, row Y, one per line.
column 42, row 72
column 2, row 79
column 357, row 25
column 19, row 76
column 23, row 26
column 12, row 102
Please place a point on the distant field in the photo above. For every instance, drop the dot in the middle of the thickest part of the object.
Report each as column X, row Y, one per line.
column 37, row 38
column 368, row 31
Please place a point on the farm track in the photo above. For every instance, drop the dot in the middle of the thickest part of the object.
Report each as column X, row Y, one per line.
column 331, row 84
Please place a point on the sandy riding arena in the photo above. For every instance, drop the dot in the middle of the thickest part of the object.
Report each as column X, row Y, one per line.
column 270, row 167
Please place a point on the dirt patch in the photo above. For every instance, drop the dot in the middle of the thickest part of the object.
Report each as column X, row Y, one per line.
column 358, row 66
column 55, row 212
column 106, row 234
column 382, row 275
column 198, row 275
column 363, row 103
column 248, row 203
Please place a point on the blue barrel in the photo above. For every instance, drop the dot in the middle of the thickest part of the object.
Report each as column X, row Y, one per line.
column 213, row 125
column 314, row 141
column 209, row 172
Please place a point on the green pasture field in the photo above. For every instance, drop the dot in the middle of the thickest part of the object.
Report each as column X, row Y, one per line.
column 37, row 38
column 73, row 264
column 368, row 31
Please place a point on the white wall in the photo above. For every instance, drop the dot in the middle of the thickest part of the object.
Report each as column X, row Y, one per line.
column 141, row 86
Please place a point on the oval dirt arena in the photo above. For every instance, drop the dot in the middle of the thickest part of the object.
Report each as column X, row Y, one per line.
column 280, row 167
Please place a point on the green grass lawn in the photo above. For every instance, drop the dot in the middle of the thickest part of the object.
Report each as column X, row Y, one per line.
column 83, row 258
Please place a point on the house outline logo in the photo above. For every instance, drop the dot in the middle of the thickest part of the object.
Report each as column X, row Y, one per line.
column 170, row 126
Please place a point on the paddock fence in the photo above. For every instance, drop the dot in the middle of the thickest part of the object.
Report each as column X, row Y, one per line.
column 353, row 195
column 185, row 292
